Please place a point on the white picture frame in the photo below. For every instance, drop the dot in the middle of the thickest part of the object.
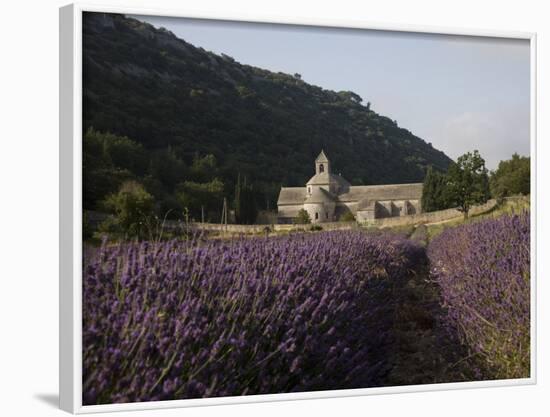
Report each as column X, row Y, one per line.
column 70, row 153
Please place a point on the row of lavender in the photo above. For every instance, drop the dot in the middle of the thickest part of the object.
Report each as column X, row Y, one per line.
column 483, row 270
column 201, row 319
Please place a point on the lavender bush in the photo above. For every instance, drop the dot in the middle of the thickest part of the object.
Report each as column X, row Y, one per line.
column 195, row 319
column 483, row 270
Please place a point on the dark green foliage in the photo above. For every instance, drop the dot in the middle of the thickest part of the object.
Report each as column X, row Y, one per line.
column 108, row 150
column 512, row 177
column 302, row 218
column 467, row 182
column 133, row 208
column 433, row 191
column 110, row 160
column 350, row 96
column 178, row 103
column 246, row 210
column 203, row 167
column 166, row 167
column 196, row 197
column 107, row 161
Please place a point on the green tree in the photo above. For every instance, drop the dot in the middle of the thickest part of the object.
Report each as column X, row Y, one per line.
column 246, row 210
column 302, row 218
column 115, row 151
column 238, row 199
column 203, row 169
column 167, row 167
column 196, row 197
column 104, row 166
column 350, row 96
column 433, row 191
column 245, row 92
column 132, row 207
column 512, row 177
column 467, row 182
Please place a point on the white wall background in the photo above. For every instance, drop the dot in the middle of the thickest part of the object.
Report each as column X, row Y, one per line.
column 29, row 208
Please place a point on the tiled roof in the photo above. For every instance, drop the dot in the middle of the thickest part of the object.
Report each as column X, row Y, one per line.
column 320, row 195
column 292, row 195
column 365, row 195
column 382, row 192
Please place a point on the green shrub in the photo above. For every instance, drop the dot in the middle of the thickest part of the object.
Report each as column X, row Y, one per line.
column 132, row 207
column 347, row 217
column 302, row 218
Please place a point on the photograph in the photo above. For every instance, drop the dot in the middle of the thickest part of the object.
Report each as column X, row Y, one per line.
column 272, row 208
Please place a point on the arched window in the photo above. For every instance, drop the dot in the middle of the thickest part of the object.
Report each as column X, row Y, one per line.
column 309, row 190
column 326, row 214
column 316, row 216
column 321, row 168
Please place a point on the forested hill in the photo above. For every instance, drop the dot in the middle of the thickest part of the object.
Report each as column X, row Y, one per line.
column 180, row 103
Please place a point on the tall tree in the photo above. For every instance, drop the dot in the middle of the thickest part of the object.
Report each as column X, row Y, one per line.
column 199, row 197
column 246, row 210
column 433, row 191
column 512, row 177
column 467, row 182
column 238, row 200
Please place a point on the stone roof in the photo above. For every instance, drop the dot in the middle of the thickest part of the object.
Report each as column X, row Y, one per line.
column 322, row 157
column 292, row 195
column 320, row 195
column 364, row 195
column 323, row 178
column 383, row 192
column 366, row 205
column 344, row 184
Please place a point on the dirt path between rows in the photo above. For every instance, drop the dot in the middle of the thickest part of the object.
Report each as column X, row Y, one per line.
column 424, row 350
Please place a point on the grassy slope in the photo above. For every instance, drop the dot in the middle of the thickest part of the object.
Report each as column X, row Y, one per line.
column 508, row 206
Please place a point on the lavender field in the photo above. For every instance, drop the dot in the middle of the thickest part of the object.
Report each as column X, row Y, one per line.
column 303, row 312
column 483, row 270
column 202, row 319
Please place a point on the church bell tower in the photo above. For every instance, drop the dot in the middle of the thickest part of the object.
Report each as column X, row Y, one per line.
column 322, row 165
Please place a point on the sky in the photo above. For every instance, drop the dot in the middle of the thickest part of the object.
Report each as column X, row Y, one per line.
column 458, row 92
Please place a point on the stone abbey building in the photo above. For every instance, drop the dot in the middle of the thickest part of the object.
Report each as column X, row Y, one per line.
column 327, row 197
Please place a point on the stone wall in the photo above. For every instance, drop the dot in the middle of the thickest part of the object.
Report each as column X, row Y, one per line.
column 266, row 217
column 437, row 216
column 261, row 228
column 431, row 217
column 413, row 219
column 289, row 211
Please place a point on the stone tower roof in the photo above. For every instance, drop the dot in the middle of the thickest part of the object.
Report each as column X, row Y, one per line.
column 322, row 157
column 320, row 195
column 323, row 178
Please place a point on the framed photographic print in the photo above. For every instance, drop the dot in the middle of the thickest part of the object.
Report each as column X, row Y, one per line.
column 262, row 210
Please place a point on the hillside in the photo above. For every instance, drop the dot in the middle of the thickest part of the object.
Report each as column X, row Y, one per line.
column 179, row 103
